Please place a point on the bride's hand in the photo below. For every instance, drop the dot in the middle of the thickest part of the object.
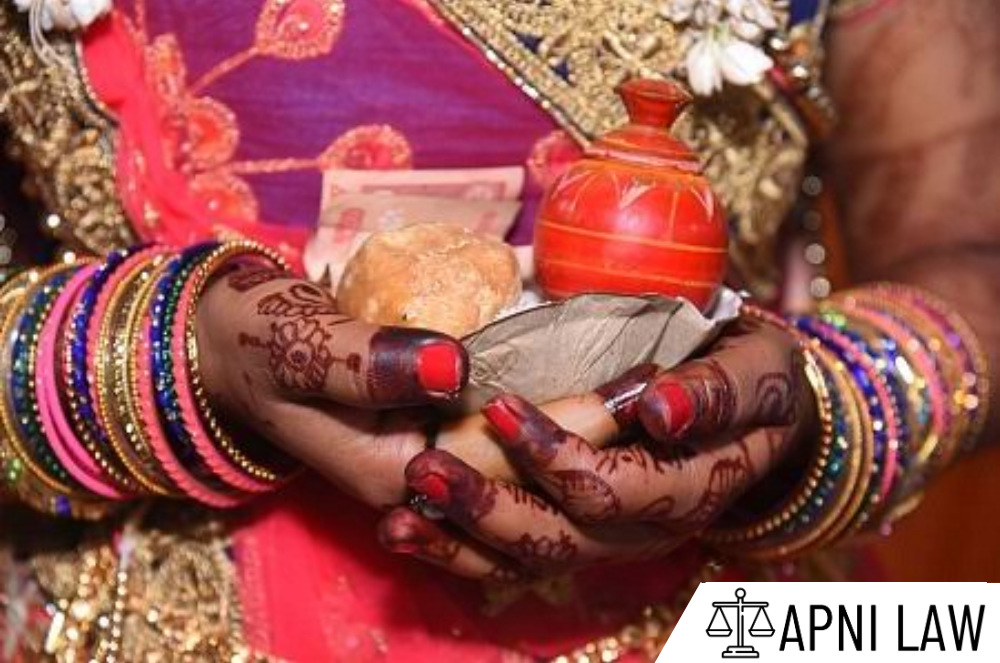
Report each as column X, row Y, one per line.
column 278, row 359
column 713, row 427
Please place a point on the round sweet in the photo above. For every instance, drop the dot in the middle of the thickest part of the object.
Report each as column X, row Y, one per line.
column 433, row 276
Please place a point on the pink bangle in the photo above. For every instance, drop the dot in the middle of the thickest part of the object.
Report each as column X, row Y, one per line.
column 889, row 462
column 101, row 309
column 157, row 436
column 200, row 437
column 909, row 343
column 68, row 448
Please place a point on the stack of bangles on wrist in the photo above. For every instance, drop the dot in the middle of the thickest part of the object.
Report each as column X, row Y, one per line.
column 901, row 386
column 101, row 399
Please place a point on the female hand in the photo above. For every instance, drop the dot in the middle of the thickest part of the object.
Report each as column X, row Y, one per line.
column 713, row 427
column 278, row 359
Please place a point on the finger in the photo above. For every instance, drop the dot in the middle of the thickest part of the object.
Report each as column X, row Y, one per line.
column 521, row 524
column 601, row 417
column 403, row 531
column 360, row 452
column 312, row 350
column 750, row 380
column 682, row 490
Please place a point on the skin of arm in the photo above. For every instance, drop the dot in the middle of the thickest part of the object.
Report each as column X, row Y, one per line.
column 915, row 163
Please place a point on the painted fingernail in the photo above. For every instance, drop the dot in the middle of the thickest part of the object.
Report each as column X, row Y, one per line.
column 667, row 410
column 434, row 487
column 441, row 367
column 447, row 483
column 503, row 418
column 621, row 396
column 402, row 532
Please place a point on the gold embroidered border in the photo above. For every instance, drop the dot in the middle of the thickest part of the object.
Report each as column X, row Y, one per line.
column 163, row 588
column 568, row 55
column 62, row 137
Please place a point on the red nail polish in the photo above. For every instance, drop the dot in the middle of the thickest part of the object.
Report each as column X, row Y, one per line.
column 404, row 547
column 440, row 368
column 434, row 487
column 679, row 410
column 503, row 419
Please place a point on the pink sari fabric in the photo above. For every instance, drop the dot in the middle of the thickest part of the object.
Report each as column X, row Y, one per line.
column 228, row 113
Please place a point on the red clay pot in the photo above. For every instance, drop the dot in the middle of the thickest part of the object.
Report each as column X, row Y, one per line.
column 635, row 215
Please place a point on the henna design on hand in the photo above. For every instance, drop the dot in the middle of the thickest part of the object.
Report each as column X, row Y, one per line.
column 245, row 280
column 530, row 436
column 727, row 480
column 775, row 394
column 299, row 354
column 299, row 301
column 544, row 551
column 659, row 510
column 584, row 495
column 522, row 497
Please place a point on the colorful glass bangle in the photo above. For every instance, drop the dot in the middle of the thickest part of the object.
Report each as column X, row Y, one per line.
column 122, row 426
column 879, row 406
column 12, row 294
column 58, row 430
column 164, row 313
column 215, row 446
column 948, row 362
column 80, row 391
column 886, row 373
column 146, row 397
column 21, row 478
column 843, row 472
column 814, row 484
column 962, row 339
column 22, row 389
column 929, row 375
column 141, row 428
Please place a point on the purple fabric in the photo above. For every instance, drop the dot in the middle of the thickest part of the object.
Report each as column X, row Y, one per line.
column 390, row 65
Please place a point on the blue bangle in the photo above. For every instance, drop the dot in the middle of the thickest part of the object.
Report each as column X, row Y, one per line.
column 164, row 310
column 23, row 401
column 884, row 359
column 823, row 332
column 834, row 469
column 83, row 412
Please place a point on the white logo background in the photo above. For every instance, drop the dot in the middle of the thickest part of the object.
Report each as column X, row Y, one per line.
column 691, row 642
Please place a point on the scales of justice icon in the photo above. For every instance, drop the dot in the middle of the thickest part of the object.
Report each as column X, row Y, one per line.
column 758, row 629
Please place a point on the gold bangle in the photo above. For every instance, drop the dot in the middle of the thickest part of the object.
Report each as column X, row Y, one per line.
column 976, row 404
column 122, row 424
column 939, row 452
column 135, row 427
column 788, row 509
column 23, row 478
column 201, row 278
column 850, row 486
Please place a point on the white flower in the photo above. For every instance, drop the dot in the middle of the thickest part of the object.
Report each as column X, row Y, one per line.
column 64, row 14
column 743, row 63
column 716, row 56
column 722, row 40
column 703, row 66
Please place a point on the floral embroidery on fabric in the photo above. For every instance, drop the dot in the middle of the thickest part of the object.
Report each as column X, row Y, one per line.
column 369, row 147
column 201, row 134
column 225, row 194
column 298, row 29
